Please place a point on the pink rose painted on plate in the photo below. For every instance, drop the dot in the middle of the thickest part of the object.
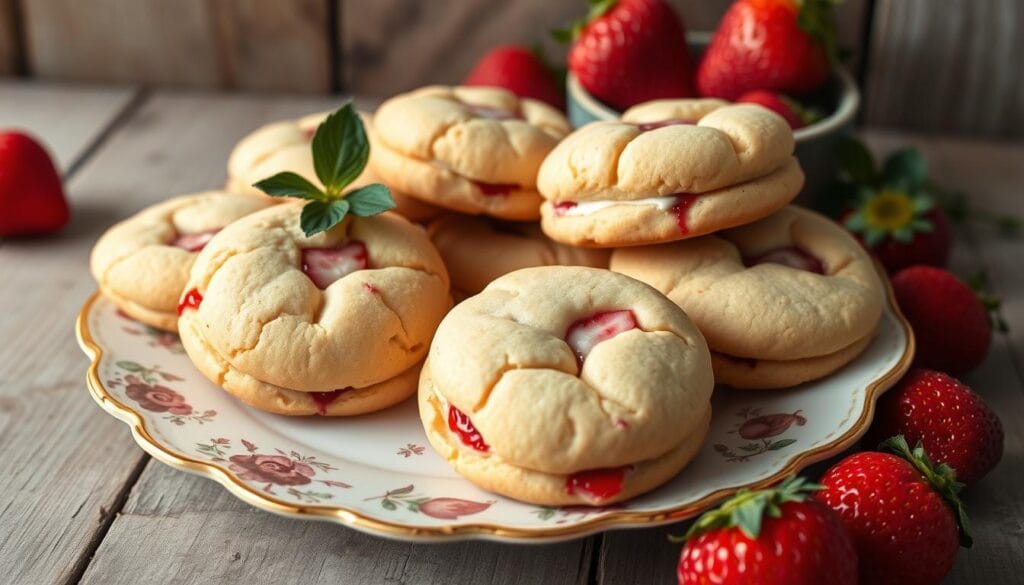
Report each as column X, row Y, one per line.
column 440, row 508
column 275, row 469
column 157, row 398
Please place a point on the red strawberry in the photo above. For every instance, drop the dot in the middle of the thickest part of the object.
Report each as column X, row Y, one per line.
column 31, row 197
column 631, row 51
column 326, row 265
column 769, row 537
column 953, row 423
column 950, row 323
column 790, row 109
column 584, row 334
column 902, row 512
column 901, row 231
column 520, row 71
column 777, row 45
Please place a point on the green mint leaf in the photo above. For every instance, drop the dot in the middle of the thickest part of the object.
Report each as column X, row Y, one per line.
column 340, row 149
column 370, row 200
column 288, row 184
column 320, row 216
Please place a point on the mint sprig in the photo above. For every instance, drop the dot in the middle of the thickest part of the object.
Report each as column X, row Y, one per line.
column 340, row 151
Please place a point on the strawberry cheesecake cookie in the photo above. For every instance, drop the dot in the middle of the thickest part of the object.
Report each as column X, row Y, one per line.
column 565, row 385
column 782, row 301
column 333, row 324
column 475, row 150
column 668, row 170
column 143, row 263
column 285, row 146
column 477, row 250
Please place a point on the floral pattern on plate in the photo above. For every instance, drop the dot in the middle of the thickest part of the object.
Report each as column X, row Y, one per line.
column 377, row 473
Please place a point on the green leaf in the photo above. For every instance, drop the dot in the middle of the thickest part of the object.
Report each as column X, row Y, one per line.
column 922, row 226
column 289, row 184
column 873, row 237
column 320, row 216
column 340, row 149
column 370, row 200
column 856, row 222
column 388, row 505
column 748, row 516
column 130, row 366
column 402, row 490
column 572, row 32
column 856, row 161
column 781, row 444
column 906, row 167
column 903, row 234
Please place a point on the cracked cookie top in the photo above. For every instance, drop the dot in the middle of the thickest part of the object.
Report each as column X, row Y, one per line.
column 560, row 369
column 790, row 286
column 146, row 258
column 271, row 149
column 667, row 147
column 349, row 307
column 480, row 133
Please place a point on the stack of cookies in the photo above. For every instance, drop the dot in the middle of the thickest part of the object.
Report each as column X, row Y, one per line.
column 605, row 280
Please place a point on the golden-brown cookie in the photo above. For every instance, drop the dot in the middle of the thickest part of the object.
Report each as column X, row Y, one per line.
column 567, row 385
column 477, row 250
column 668, row 170
column 343, row 316
column 470, row 149
column 142, row 263
column 794, row 288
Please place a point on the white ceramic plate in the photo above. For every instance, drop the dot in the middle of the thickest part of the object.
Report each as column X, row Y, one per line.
column 377, row 473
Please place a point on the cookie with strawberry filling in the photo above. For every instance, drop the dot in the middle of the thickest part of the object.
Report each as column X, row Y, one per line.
column 782, row 301
column 143, row 263
column 285, row 146
column 475, row 150
column 478, row 250
column 668, row 170
column 565, row 385
column 334, row 324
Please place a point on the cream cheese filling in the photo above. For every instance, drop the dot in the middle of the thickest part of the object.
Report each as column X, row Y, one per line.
column 580, row 208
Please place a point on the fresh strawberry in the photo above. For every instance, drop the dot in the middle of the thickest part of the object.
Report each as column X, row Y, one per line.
column 769, row 537
column 777, row 45
column 31, row 197
column 950, row 323
column 902, row 512
column 584, row 334
column 954, row 424
column 630, row 51
column 326, row 265
column 194, row 242
column 520, row 71
column 796, row 114
column 900, row 229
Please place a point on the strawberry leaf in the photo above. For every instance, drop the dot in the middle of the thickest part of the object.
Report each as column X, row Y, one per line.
column 320, row 216
column 906, row 168
column 747, row 508
column 288, row 184
column 370, row 200
column 340, row 149
column 572, row 32
column 857, row 164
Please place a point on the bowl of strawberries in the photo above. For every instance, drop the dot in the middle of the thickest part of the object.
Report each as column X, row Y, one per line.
column 780, row 54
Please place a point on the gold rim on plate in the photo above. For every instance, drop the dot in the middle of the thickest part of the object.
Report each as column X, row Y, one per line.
column 348, row 517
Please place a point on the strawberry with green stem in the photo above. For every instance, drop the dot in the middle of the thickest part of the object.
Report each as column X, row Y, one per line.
column 776, row 536
column 340, row 152
column 895, row 215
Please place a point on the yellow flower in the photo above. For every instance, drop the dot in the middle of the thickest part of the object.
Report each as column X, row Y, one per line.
column 890, row 210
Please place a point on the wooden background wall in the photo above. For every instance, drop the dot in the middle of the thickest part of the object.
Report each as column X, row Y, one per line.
column 951, row 67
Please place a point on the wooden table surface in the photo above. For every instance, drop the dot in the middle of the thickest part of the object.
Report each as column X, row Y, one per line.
column 80, row 502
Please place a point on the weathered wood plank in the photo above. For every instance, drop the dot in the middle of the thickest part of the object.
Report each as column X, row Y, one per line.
column 10, row 49
column 61, row 472
column 391, row 46
column 949, row 70
column 183, row 529
column 247, row 44
column 66, row 118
